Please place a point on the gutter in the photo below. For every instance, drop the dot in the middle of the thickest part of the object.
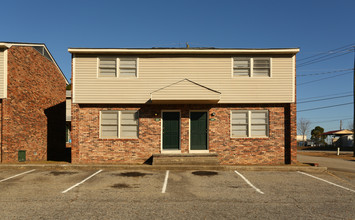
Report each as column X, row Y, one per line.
column 181, row 51
column 5, row 45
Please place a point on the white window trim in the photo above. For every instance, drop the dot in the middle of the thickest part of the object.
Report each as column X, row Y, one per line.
column 252, row 67
column 119, row 72
column 251, row 70
column 117, row 69
column 100, row 125
column 249, row 124
column 118, row 125
column 98, row 68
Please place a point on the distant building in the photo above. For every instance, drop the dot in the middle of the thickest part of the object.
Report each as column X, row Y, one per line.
column 341, row 138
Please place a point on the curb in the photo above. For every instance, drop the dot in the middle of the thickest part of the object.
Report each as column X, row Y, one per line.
column 164, row 167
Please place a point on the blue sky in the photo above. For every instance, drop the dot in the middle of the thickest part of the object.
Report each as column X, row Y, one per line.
column 316, row 26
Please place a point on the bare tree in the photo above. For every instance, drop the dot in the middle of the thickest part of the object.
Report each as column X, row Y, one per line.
column 303, row 126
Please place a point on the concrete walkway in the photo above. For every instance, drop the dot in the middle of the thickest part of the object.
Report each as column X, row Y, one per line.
column 304, row 168
column 331, row 163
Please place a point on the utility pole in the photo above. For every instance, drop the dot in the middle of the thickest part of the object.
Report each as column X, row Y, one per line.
column 341, row 125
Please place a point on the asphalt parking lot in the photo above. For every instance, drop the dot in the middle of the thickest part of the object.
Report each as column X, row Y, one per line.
column 144, row 194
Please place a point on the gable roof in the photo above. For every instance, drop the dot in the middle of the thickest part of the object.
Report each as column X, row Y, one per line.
column 185, row 90
column 41, row 48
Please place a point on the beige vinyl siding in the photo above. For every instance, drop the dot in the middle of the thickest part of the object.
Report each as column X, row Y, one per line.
column 185, row 90
column 68, row 109
column 158, row 72
column 3, row 71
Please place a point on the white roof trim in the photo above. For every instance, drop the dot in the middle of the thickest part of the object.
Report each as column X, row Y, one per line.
column 184, row 51
column 4, row 45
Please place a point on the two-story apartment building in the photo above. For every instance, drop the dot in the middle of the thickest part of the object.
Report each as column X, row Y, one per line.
column 128, row 104
column 32, row 104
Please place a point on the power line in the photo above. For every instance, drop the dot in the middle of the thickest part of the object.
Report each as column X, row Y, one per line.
column 320, row 60
column 314, row 74
column 331, row 120
column 317, row 100
column 331, row 117
column 325, row 56
column 314, row 97
column 323, row 107
column 322, row 79
column 328, row 52
column 331, row 53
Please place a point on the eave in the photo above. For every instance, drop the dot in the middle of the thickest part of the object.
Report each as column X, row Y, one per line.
column 182, row 51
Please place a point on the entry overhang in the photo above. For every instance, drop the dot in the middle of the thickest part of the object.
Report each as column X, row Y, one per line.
column 185, row 91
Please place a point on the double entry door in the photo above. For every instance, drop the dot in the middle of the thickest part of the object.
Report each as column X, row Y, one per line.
column 172, row 127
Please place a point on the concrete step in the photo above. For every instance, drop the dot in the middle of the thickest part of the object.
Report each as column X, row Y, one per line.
column 206, row 159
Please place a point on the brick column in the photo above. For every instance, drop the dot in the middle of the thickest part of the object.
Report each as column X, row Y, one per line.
column 75, row 111
column 293, row 129
column 290, row 134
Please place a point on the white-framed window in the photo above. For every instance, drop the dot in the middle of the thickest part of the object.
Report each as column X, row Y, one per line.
column 107, row 67
column 129, row 124
column 249, row 123
column 251, row 67
column 128, row 67
column 119, row 124
column 121, row 67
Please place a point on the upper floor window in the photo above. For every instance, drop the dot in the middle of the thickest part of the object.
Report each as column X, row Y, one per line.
column 124, row 67
column 251, row 67
column 107, row 67
column 128, row 67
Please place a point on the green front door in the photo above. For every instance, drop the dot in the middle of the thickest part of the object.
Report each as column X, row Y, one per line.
column 171, row 130
column 198, row 133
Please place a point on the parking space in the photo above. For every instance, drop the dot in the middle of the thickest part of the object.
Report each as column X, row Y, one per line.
column 211, row 194
column 123, row 185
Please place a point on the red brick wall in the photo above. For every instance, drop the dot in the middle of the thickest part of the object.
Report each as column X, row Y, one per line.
column 33, row 109
column 87, row 147
column 293, row 124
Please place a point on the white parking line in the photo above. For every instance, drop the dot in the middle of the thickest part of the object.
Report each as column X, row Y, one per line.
column 165, row 182
column 326, row 181
column 17, row 175
column 247, row 181
column 81, row 182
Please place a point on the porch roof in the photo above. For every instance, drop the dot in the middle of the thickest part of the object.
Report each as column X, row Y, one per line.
column 185, row 91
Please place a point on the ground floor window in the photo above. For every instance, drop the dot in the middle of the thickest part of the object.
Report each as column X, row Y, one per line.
column 249, row 123
column 119, row 124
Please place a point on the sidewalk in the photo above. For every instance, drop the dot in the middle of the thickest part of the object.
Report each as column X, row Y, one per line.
column 331, row 163
column 305, row 168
